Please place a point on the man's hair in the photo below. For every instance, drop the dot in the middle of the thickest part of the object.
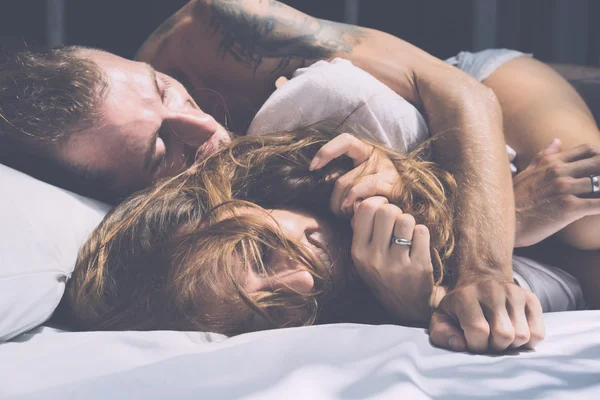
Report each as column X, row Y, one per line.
column 46, row 96
column 159, row 258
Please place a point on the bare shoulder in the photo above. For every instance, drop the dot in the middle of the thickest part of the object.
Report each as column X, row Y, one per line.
column 257, row 35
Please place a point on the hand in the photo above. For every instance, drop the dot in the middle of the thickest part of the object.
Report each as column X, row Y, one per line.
column 548, row 193
column 487, row 315
column 400, row 277
column 374, row 175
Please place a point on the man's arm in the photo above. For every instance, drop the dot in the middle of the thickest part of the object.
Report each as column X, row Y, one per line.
column 238, row 48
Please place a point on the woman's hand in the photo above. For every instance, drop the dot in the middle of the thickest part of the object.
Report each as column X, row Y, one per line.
column 549, row 193
column 374, row 173
column 400, row 276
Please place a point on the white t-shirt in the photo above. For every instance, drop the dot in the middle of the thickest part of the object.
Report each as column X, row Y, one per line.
column 340, row 92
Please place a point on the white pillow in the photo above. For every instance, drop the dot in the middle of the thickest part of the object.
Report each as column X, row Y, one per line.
column 41, row 230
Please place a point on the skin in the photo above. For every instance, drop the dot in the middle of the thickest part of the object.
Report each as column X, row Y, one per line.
column 239, row 48
column 283, row 273
column 286, row 274
column 138, row 103
column 554, row 110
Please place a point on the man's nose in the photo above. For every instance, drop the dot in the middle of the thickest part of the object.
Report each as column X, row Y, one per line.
column 192, row 126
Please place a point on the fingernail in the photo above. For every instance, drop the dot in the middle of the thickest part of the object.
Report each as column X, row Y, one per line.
column 455, row 344
column 315, row 164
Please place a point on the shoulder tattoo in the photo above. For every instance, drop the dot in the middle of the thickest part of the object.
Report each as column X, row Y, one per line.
column 277, row 31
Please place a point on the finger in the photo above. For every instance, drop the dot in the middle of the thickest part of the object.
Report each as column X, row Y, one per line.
column 364, row 219
column 341, row 188
column 420, row 251
column 473, row 323
column 518, row 318
column 385, row 218
column 344, row 144
column 576, row 186
column 584, row 168
column 403, row 228
column 367, row 186
column 553, row 148
column 445, row 334
column 502, row 332
column 579, row 152
column 535, row 320
column 581, row 206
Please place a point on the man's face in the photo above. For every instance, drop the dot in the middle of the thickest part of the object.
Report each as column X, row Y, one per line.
column 150, row 127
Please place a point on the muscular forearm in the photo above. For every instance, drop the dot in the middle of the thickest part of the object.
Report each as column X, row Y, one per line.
column 470, row 144
column 466, row 119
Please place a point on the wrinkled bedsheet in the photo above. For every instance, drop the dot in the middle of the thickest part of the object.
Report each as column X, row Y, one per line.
column 323, row 362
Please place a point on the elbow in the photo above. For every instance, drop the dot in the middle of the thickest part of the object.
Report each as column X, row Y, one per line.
column 480, row 100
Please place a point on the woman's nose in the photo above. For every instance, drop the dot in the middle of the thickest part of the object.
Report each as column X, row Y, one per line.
column 192, row 126
column 287, row 275
column 298, row 280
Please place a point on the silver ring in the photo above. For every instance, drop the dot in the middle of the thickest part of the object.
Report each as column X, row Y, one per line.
column 401, row 241
column 595, row 184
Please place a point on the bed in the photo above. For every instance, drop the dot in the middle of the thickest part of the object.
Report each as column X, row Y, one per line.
column 343, row 361
column 41, row 228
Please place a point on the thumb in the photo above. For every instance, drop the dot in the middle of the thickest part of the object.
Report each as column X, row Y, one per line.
column 444, row 333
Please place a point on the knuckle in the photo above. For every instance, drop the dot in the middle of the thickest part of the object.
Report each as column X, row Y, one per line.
column 406, row 220
column 556, row 170
column 531, row 298
column 536, row 335
column 504, row 334
column 589, row 148
column 480, row 327
column 546, row 159
column 389, row 211
column 366, row 206
column 522, row 337
column 562, row 185
column 567, row 202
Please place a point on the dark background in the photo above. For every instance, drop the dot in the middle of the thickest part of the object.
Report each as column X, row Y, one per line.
column 554, row 30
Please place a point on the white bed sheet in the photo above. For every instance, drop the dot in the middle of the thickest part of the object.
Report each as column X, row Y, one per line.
column 322, row 362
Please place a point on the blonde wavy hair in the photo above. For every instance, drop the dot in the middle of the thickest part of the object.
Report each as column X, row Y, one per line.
column 161, row 257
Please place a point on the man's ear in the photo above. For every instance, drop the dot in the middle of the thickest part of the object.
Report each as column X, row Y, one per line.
column 282, row 80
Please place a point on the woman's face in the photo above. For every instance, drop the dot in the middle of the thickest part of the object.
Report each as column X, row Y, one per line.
column 284, row 274
column 287, row 274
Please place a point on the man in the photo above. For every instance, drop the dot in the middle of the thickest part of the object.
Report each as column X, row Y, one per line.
column 134, row 125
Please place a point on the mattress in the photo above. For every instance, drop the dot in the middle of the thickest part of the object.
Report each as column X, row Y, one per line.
column 344, row 361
